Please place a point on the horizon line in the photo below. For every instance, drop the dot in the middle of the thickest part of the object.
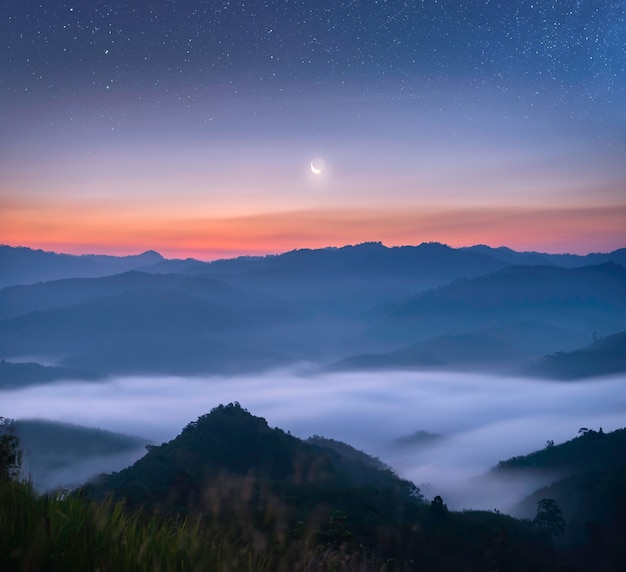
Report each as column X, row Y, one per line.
column 113, row 254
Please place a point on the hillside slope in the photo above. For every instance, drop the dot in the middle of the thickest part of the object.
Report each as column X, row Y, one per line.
column 21, row 265
column 234, row 470
column 606, row 356
column 589, row 473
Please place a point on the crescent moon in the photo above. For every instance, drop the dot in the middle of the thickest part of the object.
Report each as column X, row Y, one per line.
column 317, row 166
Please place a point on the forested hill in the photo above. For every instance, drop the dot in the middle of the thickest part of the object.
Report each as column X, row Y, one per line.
column 252, row 481
column 605, row 356
column 61, row 454
column 590, row 473
column 231, row 444
column 590, row 450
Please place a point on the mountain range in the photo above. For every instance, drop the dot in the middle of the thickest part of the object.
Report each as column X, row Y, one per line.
column 356, row 307
column 22, row 265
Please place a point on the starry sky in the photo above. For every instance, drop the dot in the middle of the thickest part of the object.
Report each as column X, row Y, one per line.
column 189, row 126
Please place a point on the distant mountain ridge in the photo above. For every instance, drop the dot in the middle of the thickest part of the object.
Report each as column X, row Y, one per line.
column 360, row 307
column 504, row 348
column 514, row 258
column 578, row 300
column 23, row 265
column 529, row 285
column 17, row 375
column 605, row 356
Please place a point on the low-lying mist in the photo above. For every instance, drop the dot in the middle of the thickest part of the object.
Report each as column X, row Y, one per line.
column 483, row 419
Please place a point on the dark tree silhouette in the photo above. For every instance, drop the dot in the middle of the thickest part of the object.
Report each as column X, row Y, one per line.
column 438, row 507
column 549, row 518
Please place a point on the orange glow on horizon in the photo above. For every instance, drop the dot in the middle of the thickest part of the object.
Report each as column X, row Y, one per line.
column 106, row 231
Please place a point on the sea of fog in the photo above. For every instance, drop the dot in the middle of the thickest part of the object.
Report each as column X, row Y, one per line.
column 483, row 418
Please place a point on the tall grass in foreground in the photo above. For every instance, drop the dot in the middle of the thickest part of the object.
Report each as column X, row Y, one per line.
column 68, row 533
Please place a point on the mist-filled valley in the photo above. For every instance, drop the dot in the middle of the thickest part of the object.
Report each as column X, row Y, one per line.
column 480, row 419
column 394, row 388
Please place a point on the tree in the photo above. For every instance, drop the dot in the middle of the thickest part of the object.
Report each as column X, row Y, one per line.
column 10, row 455
column 438, row 507
column 549, row 518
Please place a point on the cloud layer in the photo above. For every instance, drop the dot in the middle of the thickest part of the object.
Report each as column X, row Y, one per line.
column 484, row 419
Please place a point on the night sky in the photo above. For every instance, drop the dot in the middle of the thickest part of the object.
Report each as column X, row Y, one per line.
column 190, row 127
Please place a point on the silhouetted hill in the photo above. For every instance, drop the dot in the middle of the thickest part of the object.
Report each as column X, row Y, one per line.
column 512, row 258
column 423, row 266
column 347, row 452
column 135, row 312
column 588, row 451
column 580, row 300
column 606, row 356
column 61, row 454
column 176, row 266
column 418, row 440
column 21, row 265
column 501, row 348
column 570, row 260
column 144, row 330
column 18, row 300
column 230, row 445
column 232, row 441
column 589, row 490
column 526, row 288
column 15, row 375
column 233, row 469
